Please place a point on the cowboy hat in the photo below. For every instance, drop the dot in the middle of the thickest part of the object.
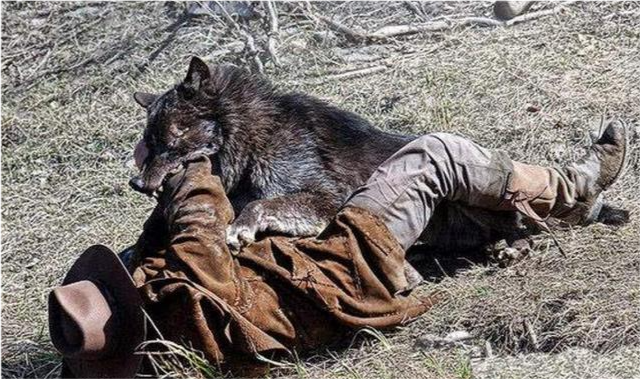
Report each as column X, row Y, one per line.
column 95, row 317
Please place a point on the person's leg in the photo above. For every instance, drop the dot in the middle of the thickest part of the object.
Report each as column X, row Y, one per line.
column 405, row 190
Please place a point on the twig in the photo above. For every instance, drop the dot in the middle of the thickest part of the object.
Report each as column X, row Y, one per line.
column 400, row 30
column 433, row 26
column 382, row 65
column 438, row 26
column 351, row 74
column 251, row 48
column 488, row 350
column 272, row 34
column 533, row 338
column 226, row 15
column 479, row 21
column 250, row 45
column 229, row 48
column 534, row 15
column 351, row 35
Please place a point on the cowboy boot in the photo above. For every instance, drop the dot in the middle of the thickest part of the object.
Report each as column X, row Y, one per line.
column 573, row 194
column 506, row 10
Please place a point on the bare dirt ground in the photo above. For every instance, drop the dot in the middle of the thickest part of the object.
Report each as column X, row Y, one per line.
column 535, row 89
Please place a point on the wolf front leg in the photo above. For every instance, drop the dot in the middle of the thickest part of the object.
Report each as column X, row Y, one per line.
column 301, row 214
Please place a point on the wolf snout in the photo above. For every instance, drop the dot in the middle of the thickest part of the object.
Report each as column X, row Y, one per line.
column 138, row 184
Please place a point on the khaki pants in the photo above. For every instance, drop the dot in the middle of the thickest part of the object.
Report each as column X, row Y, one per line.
column 406, row 189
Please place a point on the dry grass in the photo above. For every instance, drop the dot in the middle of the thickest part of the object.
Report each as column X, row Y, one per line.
column 69, row 126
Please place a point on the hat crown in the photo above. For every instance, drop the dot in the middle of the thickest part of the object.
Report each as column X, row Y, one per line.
column 83, row 322
column 96, row 319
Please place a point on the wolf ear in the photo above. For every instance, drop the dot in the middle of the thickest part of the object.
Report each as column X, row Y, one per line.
column 197, row 74
column 144, row 99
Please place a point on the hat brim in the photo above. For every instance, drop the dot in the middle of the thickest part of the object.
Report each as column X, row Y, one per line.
column 102, row 266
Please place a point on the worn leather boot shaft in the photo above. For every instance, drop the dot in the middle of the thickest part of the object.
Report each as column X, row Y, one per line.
column 539, row 192
column 573, row 194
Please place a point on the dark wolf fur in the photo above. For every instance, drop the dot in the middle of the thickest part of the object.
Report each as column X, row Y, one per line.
column 287, row 160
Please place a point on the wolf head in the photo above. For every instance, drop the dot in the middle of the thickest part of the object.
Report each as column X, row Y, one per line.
column 210, row 108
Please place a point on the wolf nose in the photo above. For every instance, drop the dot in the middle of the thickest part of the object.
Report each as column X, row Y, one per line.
column 137, row 184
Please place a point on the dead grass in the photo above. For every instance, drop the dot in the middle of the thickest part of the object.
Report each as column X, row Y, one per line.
column 69, row 126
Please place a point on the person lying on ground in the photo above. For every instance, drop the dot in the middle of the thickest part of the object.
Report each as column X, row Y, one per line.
column 283, row 294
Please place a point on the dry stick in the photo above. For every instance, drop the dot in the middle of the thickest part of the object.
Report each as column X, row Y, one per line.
column 435, row 26
column 533, row 15
column 251, row 47
column 226, row 15
column 273, row 33
column 337, row 27
column 249, row 40
column 400, row 30
column 351, row 74
column 229, row 48
column 533, row 338
column 370, row 70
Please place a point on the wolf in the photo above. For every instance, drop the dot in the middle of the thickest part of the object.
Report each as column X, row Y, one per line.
column 287, row 160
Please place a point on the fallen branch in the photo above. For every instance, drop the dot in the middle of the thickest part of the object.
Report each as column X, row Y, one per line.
column 272, row 34
column 249, row 44
column 433, row 26
column 400, row 30
column 534, row 15
column 253, row 51
column 350, row 74
column 533, row 337
column 350, row 34
column 235, row 47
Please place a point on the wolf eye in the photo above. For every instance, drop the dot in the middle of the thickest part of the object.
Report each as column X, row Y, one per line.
column 176, row 131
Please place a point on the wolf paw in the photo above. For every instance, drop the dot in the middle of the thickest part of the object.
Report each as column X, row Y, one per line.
column 506, row 255
column 239, row 235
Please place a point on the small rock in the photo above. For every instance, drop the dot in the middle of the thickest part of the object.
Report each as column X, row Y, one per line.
column 131, row 164
column 533, row 108
column 458, row 335
column 38, row 22
column 325, row 38
column 430, row 341
column 32, row 263
column 488, row 350
column 298, row 44
column 107, row 156
column 556, row 152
